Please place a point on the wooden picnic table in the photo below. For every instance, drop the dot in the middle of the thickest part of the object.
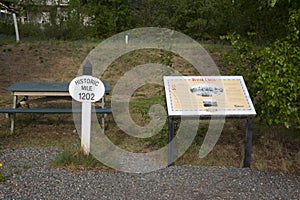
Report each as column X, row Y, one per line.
column 47, row 89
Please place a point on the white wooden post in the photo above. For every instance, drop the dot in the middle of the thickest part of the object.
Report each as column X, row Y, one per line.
column 86, row 115
column 86, row 89
column 86, row 127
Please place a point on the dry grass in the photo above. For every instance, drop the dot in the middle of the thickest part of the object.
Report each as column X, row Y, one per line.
column 274, row 148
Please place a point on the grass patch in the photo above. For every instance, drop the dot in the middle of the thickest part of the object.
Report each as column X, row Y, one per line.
column 2, row 178
column 75, row 159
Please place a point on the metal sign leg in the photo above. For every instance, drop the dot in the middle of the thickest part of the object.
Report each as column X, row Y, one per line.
column 103, row 115
column 170, row 142
column 248, row 145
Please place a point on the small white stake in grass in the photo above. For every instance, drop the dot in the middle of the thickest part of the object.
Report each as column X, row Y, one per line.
column 16, row 27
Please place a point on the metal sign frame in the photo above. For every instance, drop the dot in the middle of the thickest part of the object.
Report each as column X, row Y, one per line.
column 197, row 89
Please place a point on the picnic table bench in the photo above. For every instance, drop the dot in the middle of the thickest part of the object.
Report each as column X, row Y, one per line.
column 47, row 89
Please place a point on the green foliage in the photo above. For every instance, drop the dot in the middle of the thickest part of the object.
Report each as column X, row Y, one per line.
column 109, row 17
column 159, row 140
column 272, row 74
column 75, row 158
column 277, row 83
column 157, row 13
column 30, row 30
column 201, row 19
column 2, row 178
column 204, row 19
column 7, row 28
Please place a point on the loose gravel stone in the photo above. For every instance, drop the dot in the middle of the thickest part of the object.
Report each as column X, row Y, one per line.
column 28, row 176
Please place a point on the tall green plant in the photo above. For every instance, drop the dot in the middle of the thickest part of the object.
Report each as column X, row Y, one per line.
column 108, row 17
column 272, row 73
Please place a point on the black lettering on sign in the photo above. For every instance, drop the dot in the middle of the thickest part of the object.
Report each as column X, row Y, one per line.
column 87, row 87
column 86, row 96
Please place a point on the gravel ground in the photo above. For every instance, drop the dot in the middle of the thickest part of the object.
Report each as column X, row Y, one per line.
column 28, row 176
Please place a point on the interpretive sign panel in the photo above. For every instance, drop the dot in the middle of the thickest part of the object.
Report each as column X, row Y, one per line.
column 207, row 96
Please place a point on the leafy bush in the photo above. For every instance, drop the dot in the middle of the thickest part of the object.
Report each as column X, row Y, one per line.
column 7, row 28
column 30, row 30
column 272, row 74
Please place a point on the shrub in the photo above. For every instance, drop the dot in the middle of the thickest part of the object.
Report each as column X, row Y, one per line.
column 272, row 74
